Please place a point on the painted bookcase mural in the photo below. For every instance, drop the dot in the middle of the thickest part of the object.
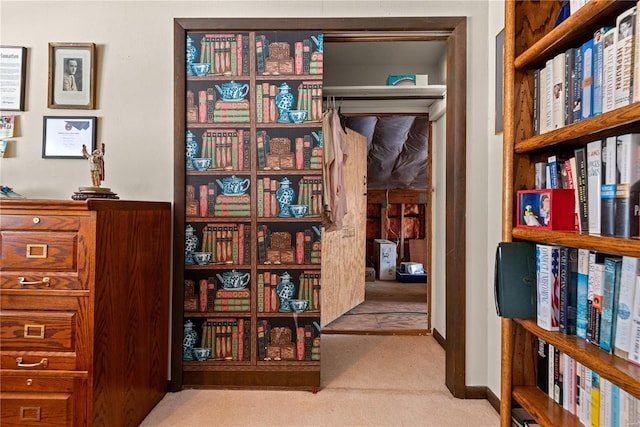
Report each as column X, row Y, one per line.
column 254, row 201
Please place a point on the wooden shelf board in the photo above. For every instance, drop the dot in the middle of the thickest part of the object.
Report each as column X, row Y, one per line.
column 541, row 407
column 613, row 245
column 386, row 92
column 570, row 32
column 589, row 129
column 613, row 368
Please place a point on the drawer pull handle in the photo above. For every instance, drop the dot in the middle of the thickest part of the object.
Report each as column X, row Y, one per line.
column 39, row 333
column 36, row 251
column 45, row 281
column 29, row 413
column 44, row 362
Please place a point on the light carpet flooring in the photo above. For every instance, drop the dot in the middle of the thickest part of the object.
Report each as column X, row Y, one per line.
column 366, row 380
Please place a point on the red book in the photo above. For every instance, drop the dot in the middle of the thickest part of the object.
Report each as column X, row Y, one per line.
column 275, row 302
column 204, row 200
column 267, row 196
column 298, row 58
column 299, row 153
column 202, row 106
column 273, row 111
column 241, row 149
column 267, row 291
column 300, row 247
column 203, row 299
column 265, row 103
column 240, row 335
column 239, row 57
column 300, row 343
column 274, row 202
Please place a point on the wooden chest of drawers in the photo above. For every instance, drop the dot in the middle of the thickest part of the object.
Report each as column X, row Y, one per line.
column 84, row 303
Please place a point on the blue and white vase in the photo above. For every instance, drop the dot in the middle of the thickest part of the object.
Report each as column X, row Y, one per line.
column 285, row 290
column 285, row 195
column 192, row 149
column 189, row 340
column 284, row 103
column 192, row 53
column 190, row 245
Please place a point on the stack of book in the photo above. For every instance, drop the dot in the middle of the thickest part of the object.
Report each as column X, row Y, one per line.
column 231, row 112
column 226, row 338
column 310, row 194
column 228, row 54
column 227, row 148
column 232, row 300
column 268, row 301
column 228, row 243
column 310, row 99
column 310, row 289
column 239, row 206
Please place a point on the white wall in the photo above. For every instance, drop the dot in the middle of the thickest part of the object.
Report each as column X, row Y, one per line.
column 135, row 114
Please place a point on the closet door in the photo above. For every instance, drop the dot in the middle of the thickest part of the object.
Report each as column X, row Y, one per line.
column 343, row 251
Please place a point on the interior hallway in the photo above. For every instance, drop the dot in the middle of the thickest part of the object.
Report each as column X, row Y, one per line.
column 366, row 380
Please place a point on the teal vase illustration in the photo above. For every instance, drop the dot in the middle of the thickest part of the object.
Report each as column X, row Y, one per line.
column 192, row 149
column 190, row 245
column 285, row 291
column 192, row 52
column 284, row 103
column 189, row 340
column 285, row 195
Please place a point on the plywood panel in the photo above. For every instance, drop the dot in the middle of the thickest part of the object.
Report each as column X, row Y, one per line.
column 343, row 251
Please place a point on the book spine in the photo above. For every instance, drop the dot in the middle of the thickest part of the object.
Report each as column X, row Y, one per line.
column 608, row 188
column 587, row 79
column 625, row 23
column 628, row 160
column 594, row 185
column 577, row 86
column 610, row 292
column 557, row 102
column 609, row 70
column 547, row 279
column 569, row 78
column 598, row 69
column 581, row 184
column 582, row 293
column 536, row 102
column 629, row 270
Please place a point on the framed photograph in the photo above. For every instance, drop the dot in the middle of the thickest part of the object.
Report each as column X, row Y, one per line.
column 63, row 137
column 499, row 113
column 13, row 66
column 72, row 75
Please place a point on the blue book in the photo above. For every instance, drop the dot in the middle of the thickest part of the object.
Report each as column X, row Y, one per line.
column 598, row 66
column 615, row 405
column 587, row 79
column 610, row 291
column 582, row 293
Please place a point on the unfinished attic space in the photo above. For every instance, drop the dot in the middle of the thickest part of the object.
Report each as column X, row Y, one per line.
column 398, row 176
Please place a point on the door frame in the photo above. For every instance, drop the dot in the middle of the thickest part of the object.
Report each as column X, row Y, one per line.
column 454, row 31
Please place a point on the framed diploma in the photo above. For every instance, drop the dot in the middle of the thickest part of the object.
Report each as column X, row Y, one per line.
column 13, row 65
column 72, row 78
column 63, row 137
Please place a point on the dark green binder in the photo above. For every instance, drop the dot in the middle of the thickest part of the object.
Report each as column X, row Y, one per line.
column 515, row 280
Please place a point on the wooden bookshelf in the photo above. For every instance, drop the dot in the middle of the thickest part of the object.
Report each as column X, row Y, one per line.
column 531, row 38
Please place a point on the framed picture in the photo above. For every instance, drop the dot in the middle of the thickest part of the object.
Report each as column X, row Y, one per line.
column 63, row 137
column 72, row 75
column 499, row 113
column 13, row 65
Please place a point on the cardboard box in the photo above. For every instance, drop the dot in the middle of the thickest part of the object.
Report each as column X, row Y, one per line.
column 369, row 274
column 385, row 259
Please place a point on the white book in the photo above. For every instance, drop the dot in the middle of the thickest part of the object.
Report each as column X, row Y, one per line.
column 548, row 95
column 548, row 287
column 623, row 408
column 588, row 375
column 569, row 384
column 609, row 70
column 559, row 86
column 579, row 389
column 626, row 302
column 636, row 59
column 634, row 338
column 542, row 105
column 605, row 402
column 594, row 182
column 625, row 24
column 574, row 5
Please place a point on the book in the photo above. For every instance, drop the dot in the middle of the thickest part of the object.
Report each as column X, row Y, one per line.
column 582, row 290
column 543, row 365
column 609, row 70
column 558, row 376
column 568, row 290
column 595, row 399
column 629, row 270
column 636, row 58
column 552, row 165
column 594, row 297
column 587, row 79
column 628, row 163
column 610, row 292
column 544, row 107
column 608, row 187
column 536, row 104
column 577, row 85
column 569, row 77
column 548, row 96
column 594, row 183
column 515, row 278
column 598, row 69
column 548, row 286
column 581, row 185
column 558, row 81
column 625, row 24
column 569, row 384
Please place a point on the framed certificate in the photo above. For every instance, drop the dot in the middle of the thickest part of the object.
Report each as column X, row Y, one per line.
column 13, row 61
column 63, row 137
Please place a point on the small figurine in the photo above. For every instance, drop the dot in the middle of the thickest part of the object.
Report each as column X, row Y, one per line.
column 530, row 218
column 96, row 164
